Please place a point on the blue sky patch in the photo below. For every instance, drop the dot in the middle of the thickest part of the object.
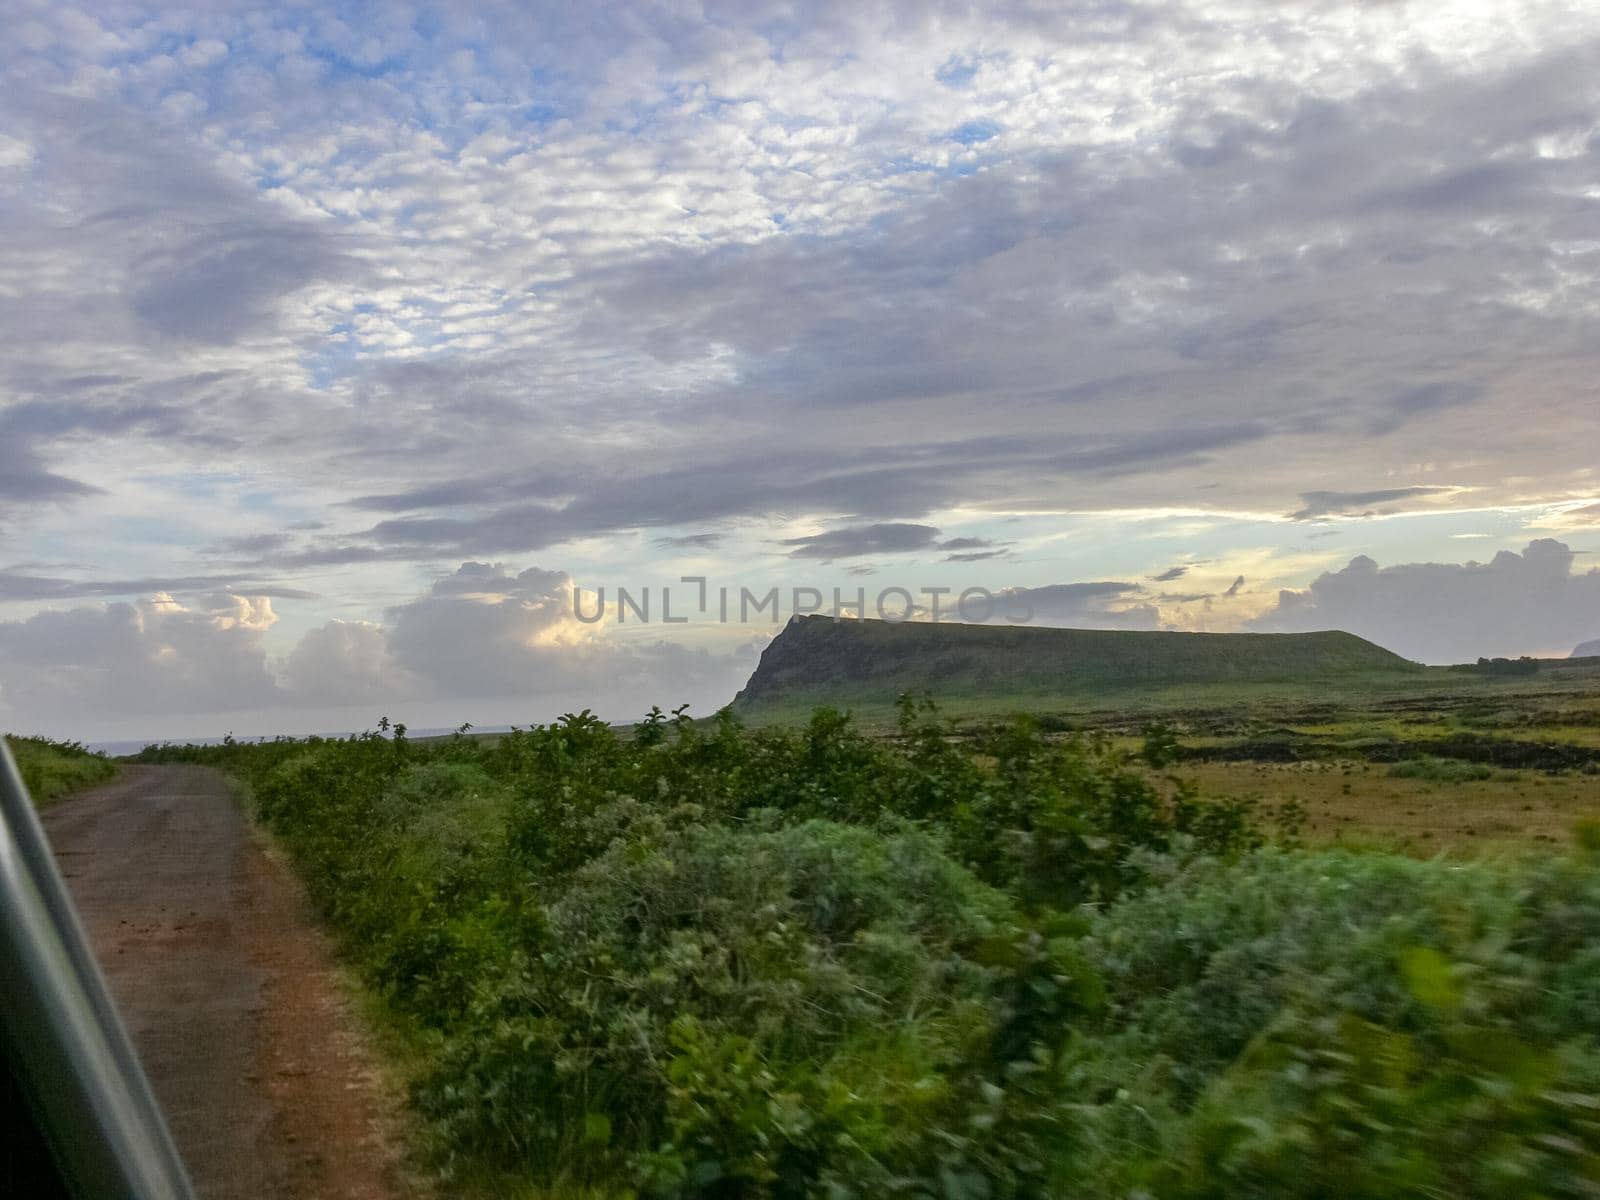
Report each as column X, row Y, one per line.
column 974, row 132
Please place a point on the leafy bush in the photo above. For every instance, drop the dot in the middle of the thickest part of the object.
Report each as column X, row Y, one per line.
column 766, row 961
column 768, row 1010
column 52, row 769
column 708, row 961
column 1337, row 1024
column 1441, row 770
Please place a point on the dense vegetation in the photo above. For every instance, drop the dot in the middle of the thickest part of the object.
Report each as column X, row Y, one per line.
column 703, row 960
column 52, row 769
column 1501, row 666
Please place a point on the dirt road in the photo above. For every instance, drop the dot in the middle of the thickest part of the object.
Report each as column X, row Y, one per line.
column 228, row 990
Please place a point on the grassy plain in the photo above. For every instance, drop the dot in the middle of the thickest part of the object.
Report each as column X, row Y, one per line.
column 1358, row 802
column 1561, row 700
column 1421, row 761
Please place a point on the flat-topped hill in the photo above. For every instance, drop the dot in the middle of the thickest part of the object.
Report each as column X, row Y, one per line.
column 817, row 660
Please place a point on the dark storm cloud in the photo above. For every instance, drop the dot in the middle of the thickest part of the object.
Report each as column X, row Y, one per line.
column 1171, row 573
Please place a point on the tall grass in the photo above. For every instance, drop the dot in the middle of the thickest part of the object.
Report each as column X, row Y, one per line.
column 53, row 769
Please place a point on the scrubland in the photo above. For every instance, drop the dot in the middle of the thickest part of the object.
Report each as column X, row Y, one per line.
column 999, row 960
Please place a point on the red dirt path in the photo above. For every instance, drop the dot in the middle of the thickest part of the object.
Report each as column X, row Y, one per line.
column 229, row 991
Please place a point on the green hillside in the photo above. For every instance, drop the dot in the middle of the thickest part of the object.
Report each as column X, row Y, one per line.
column 816, row 660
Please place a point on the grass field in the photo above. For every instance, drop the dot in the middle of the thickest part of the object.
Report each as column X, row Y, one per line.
column 1450, row 760
column 1423, row 760
column 52, row 769
column 1359, row 802
column 1563, row 695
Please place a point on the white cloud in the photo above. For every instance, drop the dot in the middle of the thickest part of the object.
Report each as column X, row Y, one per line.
column 480, row 640
column 155, row 658
column 203, row 53
column 1100, row 605
column 1536, row 602
column 483, row 632
column 344, row 664
column 14, row 152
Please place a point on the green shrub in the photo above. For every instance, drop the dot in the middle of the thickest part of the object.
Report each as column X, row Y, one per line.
column 52, row 769
column 772, row 959
column 773, row 1010
column 1336, row 1024
column 1441, row 770
column 710, row 961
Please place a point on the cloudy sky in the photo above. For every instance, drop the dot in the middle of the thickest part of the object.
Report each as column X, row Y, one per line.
column 339, row 343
